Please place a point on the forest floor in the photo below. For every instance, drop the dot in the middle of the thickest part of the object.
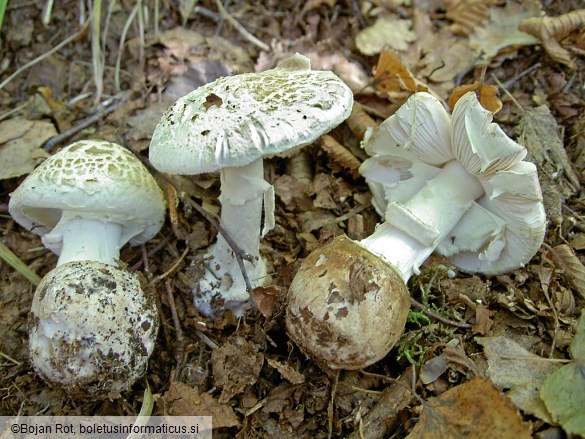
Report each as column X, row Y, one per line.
column 495, row 365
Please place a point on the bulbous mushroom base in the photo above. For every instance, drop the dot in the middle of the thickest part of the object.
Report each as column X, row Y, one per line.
column 346, row 306
column 221, row 287
column 92, row 329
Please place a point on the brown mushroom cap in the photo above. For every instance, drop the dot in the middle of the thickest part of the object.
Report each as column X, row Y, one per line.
column 346, row 306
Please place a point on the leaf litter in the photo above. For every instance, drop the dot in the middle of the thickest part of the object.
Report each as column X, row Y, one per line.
column 247, row 374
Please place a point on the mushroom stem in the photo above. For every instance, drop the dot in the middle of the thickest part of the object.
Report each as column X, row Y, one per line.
column 242, row 193
column 241, row 208
column 85, row 240
column 413, row 230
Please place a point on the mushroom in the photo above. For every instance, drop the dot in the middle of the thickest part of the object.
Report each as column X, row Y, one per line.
column 458, row 185
column 230, row 125
column 92, row 326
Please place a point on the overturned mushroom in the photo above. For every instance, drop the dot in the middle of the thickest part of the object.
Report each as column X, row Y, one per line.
column 457, row 184
column 93, row 327
column 230, row 125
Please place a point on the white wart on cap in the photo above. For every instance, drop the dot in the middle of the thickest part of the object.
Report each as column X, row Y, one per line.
column 230, row 125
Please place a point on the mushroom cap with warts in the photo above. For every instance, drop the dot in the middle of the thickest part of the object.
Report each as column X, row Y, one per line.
column 92, row 329
column 235, row 120
column 90, row 179
column 504, row 228
column 361, row 316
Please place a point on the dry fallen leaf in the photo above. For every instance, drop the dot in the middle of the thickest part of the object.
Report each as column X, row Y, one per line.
column 486, row 94
column 550, row 30
column 573, row 269
column 387, row 31
column 359, row 121
column 183, row 400
column 20, row 142
column 236, row 364
column 519, row 372
column 287, row 372
column 393, row 77
column 467, row 14
column 340, row 154
column 266, row 299
column 474, row 409
column 501, row 36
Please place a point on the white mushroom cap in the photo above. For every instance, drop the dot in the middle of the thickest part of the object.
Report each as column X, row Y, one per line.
column 237, row 119
column 504, row 228
column 90, row 179
column 230, row 125
column 92, row 329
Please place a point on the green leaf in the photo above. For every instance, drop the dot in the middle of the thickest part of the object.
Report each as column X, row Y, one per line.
column 564, row 390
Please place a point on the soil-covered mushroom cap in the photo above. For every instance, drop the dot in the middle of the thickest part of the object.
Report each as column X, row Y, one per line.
column 92, row 329
column 91, row 179
column 237, row 119
column 363, row 313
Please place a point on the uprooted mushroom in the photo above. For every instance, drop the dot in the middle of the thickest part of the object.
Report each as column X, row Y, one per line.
column 92, row 326
column 457, row 184
column 230, row 125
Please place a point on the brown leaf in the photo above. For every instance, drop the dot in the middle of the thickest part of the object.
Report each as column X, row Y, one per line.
column 467, row 14
column 474, row 409
column 520, row 372
column 392, row 76
column 552, row 29
column 573, row 269
column 483, row 319
column 287, row 372
column 236, row 364
column 359, row 121
column 20, row 142
column 183, row 400
column 486, row 94
column 340, row 154
column 266, row 299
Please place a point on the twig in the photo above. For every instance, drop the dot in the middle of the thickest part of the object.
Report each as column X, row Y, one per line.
column 170, row 270
column 241, row 29
column 51, row 143
column 238, row 252
column 180, row 349
column 432, row 315
column 146, row 270
column 331, row 405
column 45, row 55
column 152, row 252
column 507, row 93
column 205, row 339
column 12, row 360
